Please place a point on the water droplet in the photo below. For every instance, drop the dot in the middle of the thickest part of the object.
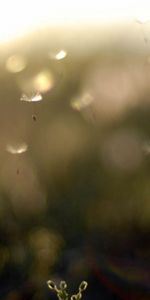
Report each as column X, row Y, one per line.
column 17, row 148
column 58, row 55
column 61, row 55
column 32, row 98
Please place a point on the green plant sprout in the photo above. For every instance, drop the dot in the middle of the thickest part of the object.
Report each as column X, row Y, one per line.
column 62, row 290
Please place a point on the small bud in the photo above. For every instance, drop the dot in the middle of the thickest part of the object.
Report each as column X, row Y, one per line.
column 51, row 285
column 63, row 285
column 83, row 286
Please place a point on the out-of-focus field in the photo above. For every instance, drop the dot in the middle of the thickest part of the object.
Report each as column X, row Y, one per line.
column 74, row 154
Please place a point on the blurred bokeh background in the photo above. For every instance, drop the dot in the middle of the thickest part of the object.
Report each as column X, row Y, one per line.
column 75, row 154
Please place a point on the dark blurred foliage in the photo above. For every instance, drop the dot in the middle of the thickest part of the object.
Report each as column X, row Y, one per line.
column 75, row 204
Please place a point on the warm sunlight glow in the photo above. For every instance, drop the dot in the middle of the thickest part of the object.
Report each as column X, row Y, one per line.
column 43, row 81
column 20, row 17
column 16, row 63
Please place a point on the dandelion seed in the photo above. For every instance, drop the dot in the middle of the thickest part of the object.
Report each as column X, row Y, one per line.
column 61, row 55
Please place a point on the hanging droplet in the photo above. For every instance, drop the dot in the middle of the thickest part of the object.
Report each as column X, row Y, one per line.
column 33, row 98
column 17, row 148
column 34, row 118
